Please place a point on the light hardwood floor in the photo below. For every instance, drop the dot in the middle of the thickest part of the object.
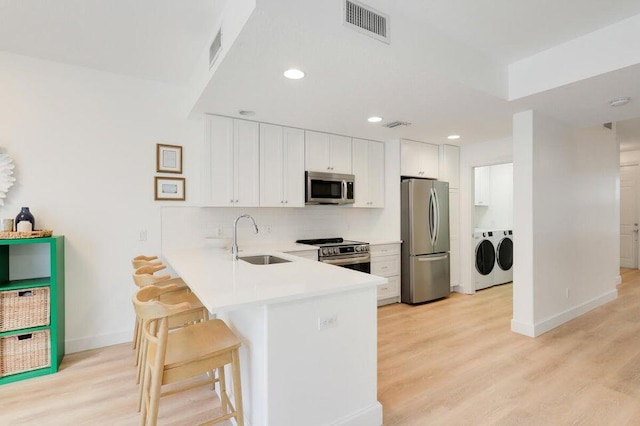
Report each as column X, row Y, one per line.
column 455, row 362
column 452, row 362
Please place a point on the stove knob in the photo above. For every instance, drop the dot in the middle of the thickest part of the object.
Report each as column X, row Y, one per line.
column 325, row 251
column 366, row 248
column 358, row 248
column 336, row 250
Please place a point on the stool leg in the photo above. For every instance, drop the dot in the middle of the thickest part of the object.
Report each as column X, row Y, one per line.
column 237, row 389
column 136, row 330
column 224, row 396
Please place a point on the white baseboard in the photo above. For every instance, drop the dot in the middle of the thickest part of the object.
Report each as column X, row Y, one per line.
column 618, row 280
column 535, row 330
column 368, row 416
column 462, row 289
column 93, row 342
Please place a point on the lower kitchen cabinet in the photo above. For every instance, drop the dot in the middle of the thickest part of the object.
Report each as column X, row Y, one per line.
column 385, row 262
column 31, row 307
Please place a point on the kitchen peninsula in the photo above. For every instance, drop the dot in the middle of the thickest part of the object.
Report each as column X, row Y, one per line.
column 308, row 331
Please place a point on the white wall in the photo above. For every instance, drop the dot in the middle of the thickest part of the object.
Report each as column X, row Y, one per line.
column 566, row 221
column 83, row 143
column 475, row 155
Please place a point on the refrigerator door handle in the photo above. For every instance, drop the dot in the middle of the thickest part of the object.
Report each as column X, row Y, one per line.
column 437, row 217
column 432, row 217
column 432, row 259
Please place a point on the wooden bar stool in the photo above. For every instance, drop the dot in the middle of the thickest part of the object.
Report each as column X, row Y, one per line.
column 143, row 260
column 191, row 351
column 144, row 276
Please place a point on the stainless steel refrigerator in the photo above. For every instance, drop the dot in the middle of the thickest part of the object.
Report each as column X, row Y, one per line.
column 425, row 240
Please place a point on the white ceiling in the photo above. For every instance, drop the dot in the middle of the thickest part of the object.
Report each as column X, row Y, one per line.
column 349, row 76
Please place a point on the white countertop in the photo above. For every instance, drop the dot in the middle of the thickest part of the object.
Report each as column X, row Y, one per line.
column 225, row 285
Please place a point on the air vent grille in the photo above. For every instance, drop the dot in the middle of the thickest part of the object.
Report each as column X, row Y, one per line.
column 394, row 124
column 215, row 47
column 366, row 20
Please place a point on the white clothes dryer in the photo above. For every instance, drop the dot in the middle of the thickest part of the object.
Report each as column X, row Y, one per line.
column 503, row 272
column 484, row 259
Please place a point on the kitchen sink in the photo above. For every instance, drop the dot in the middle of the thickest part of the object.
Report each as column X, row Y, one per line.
column 263, row 259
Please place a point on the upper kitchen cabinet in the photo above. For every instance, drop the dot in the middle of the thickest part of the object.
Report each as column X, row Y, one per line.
column 281, row 166
column 327, row 153
column 482, row 186
column 450, row 165
column 231, row 158
column 368, row 168
column 418, row 159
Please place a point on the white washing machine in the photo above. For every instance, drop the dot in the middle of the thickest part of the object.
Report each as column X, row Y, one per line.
column 484, row 259
column 503, row 271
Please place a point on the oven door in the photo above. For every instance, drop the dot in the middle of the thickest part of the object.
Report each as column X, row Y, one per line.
column 357, row 263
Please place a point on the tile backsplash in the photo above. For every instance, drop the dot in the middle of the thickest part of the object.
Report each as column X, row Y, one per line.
column 189, row 226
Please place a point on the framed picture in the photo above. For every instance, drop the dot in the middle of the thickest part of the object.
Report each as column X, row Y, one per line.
column 170, row 188
column 168, row 158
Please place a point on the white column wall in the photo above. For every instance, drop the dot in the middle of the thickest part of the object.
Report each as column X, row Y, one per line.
column 566, row 219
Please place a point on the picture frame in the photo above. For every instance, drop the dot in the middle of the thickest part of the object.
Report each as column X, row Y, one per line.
column 168, row 158
column 169, row 188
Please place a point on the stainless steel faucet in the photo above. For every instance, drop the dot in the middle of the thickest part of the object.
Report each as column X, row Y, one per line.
column 234, row 245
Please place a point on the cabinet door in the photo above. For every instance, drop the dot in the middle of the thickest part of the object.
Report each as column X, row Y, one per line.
column 271, row 165
column 317, row 148
column 361, row 172
column 247, row 164
column 419, row 159
column 218, row 170
column 376, row 174
column 450, row 165
column 340, row 154
column 293, row 172
column 482, row 179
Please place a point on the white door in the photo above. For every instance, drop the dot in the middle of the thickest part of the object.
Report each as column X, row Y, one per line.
column 628, row 217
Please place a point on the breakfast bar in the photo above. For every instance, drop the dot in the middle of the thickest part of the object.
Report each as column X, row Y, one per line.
column 308, row 331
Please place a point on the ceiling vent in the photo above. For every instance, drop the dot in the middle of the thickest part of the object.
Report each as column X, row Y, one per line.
column 215, row 48
column 366, row 20
column 395, row 124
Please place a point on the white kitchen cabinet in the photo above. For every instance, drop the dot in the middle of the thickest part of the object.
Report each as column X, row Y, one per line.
column 327, row 153
column 281, row 166
column 368, row 168
column 450, row 165
column 385, row 262
column 231, row 163
column 482, row 178
column 419, row 159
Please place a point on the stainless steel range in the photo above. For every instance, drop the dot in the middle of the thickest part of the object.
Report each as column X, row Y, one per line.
column 347, row 254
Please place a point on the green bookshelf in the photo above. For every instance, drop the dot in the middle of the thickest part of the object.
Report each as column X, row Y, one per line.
column 32, row 263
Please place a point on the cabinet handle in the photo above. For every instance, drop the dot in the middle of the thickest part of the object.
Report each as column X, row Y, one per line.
column 286, row 201
column 231, row 201
column 236, row 201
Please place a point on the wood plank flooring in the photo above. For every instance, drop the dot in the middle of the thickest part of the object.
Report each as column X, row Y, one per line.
column 452, row 362
column 455, row 362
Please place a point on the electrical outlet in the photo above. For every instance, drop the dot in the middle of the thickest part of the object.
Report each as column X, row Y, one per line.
column 327, row 322
column 219, row 231
column 143, row 235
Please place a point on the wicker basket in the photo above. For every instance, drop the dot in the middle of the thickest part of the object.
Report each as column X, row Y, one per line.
column 24, row 352
column 24, row 308
column 11, row 235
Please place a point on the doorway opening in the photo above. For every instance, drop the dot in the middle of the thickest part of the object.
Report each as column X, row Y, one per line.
column 493, row 225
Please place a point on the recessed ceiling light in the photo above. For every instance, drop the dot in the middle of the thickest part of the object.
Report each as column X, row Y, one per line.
column 619, row 101
column 374, row 119
column 453, row 137
column 247, row 113
column 293, row 74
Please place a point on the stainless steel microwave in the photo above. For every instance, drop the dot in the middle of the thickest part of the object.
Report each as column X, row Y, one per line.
column 329, row 188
